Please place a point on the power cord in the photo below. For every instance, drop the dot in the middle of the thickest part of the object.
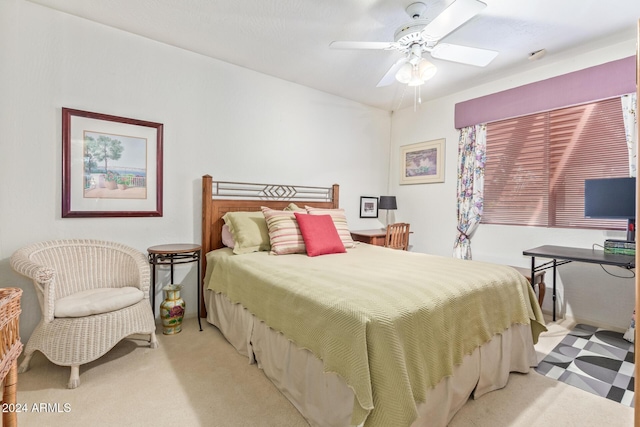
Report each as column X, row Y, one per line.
column 633, row 273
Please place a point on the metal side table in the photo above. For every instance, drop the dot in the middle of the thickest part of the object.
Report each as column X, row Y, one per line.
column 172, row 254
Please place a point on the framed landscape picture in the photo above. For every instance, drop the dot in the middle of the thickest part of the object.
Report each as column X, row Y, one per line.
column 422, row 163
column 111, row 166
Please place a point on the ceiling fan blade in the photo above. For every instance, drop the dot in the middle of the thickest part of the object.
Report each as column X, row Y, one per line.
column 361, row 45
column 453, row 16
column 463, row 54
column 390, row 76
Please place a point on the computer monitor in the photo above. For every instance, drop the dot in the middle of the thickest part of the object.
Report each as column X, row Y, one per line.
column 611, row 198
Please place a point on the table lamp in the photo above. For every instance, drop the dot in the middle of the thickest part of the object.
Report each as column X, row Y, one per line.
column 388, row 203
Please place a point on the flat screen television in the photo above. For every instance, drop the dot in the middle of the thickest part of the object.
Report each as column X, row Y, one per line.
column 611, row 198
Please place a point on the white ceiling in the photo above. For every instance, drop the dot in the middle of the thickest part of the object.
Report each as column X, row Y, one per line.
column 289, row 39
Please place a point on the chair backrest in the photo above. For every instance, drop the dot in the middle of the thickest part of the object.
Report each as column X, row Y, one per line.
column 84, row 264
column 397, row 236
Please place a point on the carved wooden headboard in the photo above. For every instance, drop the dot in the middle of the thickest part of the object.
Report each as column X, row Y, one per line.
column 220, row 197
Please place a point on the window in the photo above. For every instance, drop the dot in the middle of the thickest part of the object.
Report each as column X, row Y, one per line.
column 536, row 165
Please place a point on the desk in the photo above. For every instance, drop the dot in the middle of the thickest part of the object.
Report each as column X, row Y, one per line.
column 177, row 253
column 375, row 236
column 562, row 255
column 372, row 237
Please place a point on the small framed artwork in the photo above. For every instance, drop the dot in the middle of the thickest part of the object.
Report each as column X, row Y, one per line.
column 422, row 163
column 368, row 207
column 111, row 166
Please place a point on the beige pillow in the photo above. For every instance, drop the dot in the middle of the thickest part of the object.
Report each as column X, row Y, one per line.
column 340, row 221
column 249, row 230
column 294, row 207
column 284, row 232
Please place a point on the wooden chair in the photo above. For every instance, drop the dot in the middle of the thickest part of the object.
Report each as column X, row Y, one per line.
column 397, row 236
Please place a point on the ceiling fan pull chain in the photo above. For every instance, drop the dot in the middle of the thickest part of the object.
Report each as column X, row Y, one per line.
column 404, row 90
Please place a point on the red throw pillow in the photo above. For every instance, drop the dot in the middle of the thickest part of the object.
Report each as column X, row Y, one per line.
column 319, row 234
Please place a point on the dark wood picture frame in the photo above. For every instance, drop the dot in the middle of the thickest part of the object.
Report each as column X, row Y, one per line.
column 84, row 193
column 368, row 207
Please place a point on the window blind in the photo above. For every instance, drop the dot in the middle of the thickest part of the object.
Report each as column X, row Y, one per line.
column 536, row 165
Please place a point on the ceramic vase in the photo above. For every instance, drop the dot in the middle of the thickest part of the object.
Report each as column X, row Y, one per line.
column 172, row 310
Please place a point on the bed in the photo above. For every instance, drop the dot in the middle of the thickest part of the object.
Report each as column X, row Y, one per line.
column 367, row 336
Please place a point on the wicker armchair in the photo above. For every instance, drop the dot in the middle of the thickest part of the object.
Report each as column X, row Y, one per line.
column 87, row 291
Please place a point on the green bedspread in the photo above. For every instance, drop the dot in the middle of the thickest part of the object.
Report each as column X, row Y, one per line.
column 391, row 323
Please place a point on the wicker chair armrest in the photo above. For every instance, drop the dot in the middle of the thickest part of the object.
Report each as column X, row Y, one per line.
column 43, row 278
column 21, row 263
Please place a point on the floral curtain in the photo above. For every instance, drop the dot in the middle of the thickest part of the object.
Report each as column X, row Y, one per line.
column 471, row 159
column 630, row 128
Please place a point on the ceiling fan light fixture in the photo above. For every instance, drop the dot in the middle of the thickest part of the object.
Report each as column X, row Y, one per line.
column 405, row 73
column 415, row 81
column 426, row 70
column 416, row 75
column 409, row 74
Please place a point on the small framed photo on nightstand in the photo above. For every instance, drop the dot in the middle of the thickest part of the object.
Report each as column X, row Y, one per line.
column 368, row 207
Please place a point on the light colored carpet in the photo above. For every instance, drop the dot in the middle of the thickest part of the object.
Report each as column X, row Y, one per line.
column 197, row 379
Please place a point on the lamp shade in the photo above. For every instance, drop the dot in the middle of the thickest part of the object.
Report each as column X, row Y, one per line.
column 387, row 202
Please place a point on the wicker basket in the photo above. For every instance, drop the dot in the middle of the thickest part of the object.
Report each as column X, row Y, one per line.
column 10, row 349
column 10, row 345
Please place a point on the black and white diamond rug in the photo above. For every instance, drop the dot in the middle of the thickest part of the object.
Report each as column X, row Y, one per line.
column 596, row 360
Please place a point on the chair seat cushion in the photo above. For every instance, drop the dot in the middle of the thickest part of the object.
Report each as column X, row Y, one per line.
column 97, row 301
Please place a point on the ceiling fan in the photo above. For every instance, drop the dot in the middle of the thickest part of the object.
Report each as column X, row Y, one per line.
column 419, row 36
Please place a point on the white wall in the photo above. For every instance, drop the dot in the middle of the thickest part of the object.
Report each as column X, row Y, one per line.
column 585, row 291
column 219, row 119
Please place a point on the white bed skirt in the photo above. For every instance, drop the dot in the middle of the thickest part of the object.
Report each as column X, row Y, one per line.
column 324, row 399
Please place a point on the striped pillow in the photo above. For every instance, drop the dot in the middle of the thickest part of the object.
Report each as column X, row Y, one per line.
column 340, row 221
column 284, row 232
